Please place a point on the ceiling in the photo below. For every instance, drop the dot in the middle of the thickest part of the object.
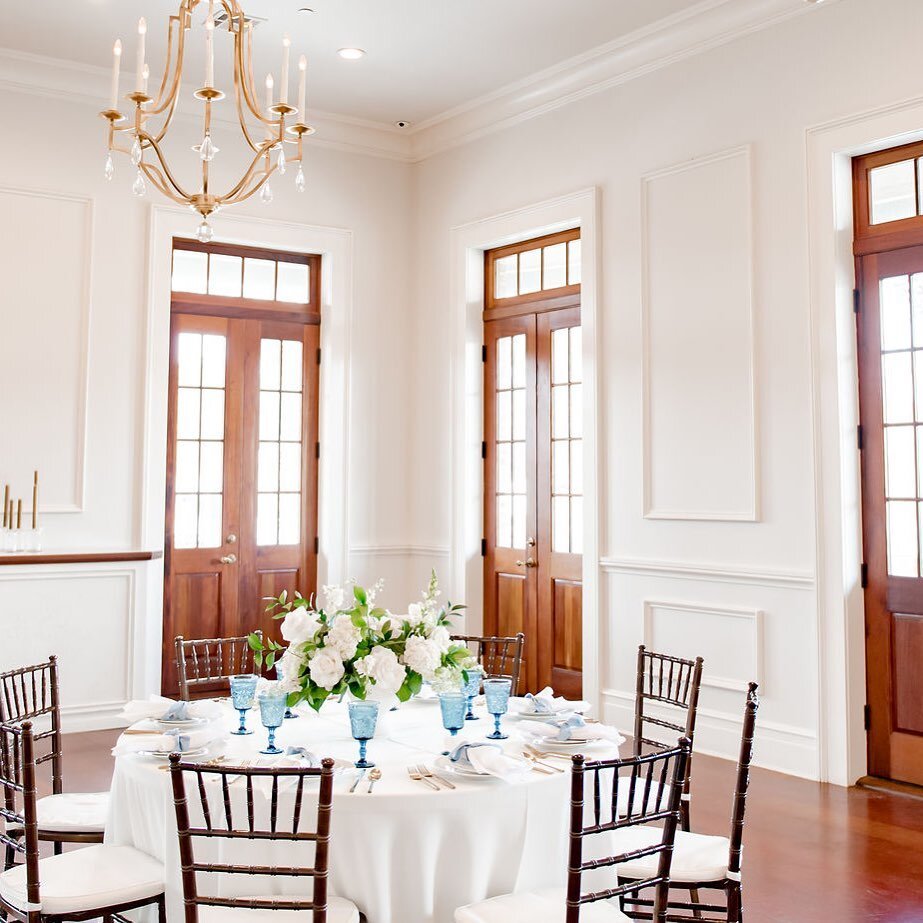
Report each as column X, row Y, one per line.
column 424, row 57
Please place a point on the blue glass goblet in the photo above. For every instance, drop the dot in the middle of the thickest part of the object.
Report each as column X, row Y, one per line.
column 272, row 711
column 471, row 689
column 452, row 705
column 243, row 690
column 497, row 694
column 363, row 717
column 280, row 675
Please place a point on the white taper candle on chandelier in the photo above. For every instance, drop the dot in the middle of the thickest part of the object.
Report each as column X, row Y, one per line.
column 145, row 76
column 269, row 86
column 139, row 70
column 116, row 64
column 283, row 88
column 302, row 78
column 210, row 45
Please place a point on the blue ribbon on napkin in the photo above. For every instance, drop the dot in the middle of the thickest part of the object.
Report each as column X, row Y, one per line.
column 460, row 753
column 567, row 726
column 540, row 705
column 182, row 740
column 178, row 711
column 309, row 758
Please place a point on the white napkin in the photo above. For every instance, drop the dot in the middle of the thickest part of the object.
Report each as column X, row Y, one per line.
column 544, row 704
column 162, row 742
column 488, row 759
column 158, row 707
column 568, row 729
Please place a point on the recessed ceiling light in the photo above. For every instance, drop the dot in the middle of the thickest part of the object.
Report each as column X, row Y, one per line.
column 351, row 54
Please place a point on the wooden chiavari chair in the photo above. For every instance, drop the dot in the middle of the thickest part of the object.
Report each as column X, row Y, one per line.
column 657, row 780
column 32, row 694
column 83, row 884
column 222, row 826
column 500, row 657
column 706, row 863
column 203, row 662
column 672, row 685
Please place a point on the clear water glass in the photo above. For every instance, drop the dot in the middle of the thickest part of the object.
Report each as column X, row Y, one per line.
column 272, row 714
column 471, row 688
column 363, row 718
column 243, row 692
column 280, row 675
column 497, row 694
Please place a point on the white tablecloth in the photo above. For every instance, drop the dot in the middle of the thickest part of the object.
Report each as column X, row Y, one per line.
column 404, row 854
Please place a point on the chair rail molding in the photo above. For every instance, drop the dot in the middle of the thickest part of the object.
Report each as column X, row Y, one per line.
column 466, row 299
column 398, row 551
column 829, row 148
column 81, row 384
column 708, row 573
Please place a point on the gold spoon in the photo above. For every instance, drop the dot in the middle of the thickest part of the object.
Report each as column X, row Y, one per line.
column 374, row 776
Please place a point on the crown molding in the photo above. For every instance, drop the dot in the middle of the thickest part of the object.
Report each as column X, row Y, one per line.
column 707, row 24
column 701, row 27
column 54, row 78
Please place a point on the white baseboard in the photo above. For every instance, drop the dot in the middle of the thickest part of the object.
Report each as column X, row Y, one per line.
column 783, row 748
column 98, row 716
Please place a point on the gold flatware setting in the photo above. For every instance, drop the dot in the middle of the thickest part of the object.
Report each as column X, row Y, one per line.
column 374, row 776
column 414, row 774
column 427, row 773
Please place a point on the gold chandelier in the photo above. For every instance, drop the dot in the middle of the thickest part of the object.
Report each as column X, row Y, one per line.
column 264, row 129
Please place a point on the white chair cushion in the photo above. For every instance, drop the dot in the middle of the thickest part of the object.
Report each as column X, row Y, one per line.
column 86, row 879
column 73, row 813
column 339, row 910
column 546, row 906
column 695, row 857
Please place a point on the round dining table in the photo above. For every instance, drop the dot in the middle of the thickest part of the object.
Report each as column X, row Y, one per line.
column 403, row 853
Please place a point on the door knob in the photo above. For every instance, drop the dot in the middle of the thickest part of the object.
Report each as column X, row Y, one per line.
column 529, row 562
column 530, row 542
column 229, row 559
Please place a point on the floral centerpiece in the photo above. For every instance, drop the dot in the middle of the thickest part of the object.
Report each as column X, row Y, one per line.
column 345, row 643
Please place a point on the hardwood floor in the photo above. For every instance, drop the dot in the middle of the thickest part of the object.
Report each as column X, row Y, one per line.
column 812, row 853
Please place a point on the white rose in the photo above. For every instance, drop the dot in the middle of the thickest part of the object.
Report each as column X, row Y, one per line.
column 441, row 637
column 343, row 637
column 326, row 668
column 383, row 668
column 422, row 655
column 414, row 614
column 300, row 625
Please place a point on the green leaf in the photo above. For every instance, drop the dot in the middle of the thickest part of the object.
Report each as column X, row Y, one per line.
column 270, row 660
column 361, row 596
column 414, row 682
column 283, row 596
column 255, row 641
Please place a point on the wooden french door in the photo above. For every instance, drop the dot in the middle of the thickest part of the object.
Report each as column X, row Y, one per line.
column 533, row 453
column 241, row 515
column 891, row 407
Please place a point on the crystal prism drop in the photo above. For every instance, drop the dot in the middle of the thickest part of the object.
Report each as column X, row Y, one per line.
column 204, row 232
column 266, row 194
column 110, row 167
column 139, row 187
column 136, row 153
column 207, row 149
column 299, row 179
column 280, row 162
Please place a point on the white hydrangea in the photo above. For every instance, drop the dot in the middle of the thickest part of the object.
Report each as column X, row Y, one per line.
column 440, row 636
column 447, row 679
column 343, row 637
column 300, row 625
column 326, row 668
column 383, row 668
column 414, row 614
column 334, row 598
column 290, row 665
column 422, row 655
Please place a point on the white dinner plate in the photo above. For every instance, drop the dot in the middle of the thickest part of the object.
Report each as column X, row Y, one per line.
column 165, row 754
column 444, row 764
column 176, row 723
column 566, row 746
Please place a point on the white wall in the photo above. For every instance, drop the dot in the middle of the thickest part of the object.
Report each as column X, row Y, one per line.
column 745, row 589
column 59, row 208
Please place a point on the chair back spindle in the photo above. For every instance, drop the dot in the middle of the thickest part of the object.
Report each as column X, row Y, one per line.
column 501, row 657
column 205, row 661
column 743, row 780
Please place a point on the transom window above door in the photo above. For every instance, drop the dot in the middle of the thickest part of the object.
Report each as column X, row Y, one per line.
column 534, row 269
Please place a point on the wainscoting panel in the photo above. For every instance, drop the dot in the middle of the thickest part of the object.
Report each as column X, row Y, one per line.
column 46, row 293
column 86, row 617
column 699, row 393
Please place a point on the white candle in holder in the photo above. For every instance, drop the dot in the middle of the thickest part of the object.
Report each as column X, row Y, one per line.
column 139, row 70
column 210, row 46
column 116, row 64
column 283, row 88
column 302, row 79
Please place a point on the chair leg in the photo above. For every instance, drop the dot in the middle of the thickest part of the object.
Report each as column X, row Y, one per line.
column 58, row 847
column 735, row 904
column 162, row 909
column 694, row 899
column 9, row 858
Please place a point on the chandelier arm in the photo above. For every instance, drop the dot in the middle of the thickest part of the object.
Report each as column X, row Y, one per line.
column 268, row 171
column 155, row 175
column 158, row 104
column 241, row 117
column 243, row 195
column 244, row 74
column 163, row 163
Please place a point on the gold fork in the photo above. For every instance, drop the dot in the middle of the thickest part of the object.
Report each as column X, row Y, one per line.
column 417, row 777
column 429, row 774
column 533, row 756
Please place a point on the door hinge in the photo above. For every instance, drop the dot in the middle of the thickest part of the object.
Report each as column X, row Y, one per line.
column 856, row 300
column 860, row 438
column 483, row 547
column 483, row 450
column 317, row 450
column 864, row 575
column 484, row 353
column 318, row 355
column 316, row 544
column 867, row 717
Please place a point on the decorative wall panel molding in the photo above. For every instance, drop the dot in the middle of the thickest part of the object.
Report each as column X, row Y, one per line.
column 46, row 320
column 394, row 551
column 699, row 393
column 708, row 573
column 729, row 639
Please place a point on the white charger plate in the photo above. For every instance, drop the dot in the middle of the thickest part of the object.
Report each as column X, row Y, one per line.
column 165, row 754
column 176, row 723
column 444, row 764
